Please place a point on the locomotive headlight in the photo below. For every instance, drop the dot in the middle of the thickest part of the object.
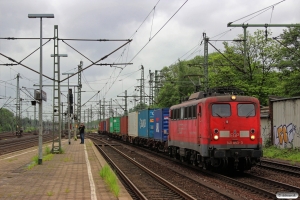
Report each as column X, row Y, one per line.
column 233, row 97
column 252, row 131
column 216, row 137
column 252, row 137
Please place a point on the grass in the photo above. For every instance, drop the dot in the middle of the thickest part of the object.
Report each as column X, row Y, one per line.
column 12, row 159
column 284, row 154
column 111, row 179
column 61, row 151
column 50, row 193
column 47, row 150
column 47, row 157
column 67, row 159
column 67, row 190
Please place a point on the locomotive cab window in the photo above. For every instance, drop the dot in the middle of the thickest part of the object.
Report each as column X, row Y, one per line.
column 181, row 113
column 185, row 113
column 246, row 110
column 221, row 110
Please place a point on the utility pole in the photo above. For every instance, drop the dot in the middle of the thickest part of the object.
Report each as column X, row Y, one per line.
column 84, row 116
column 21, row 121
column 18, row 124
column 157, row 85
column 205, row 62
column 74, row 115
column 78, row 121
column 88, row 116
column 111, row 108
column 91, row 125
column 99, row 110
column 151, row 88
column 126, row 110
column 35, row 118
column 104, row 108
column 62, row 117
column 142, row 86
column 70, row 105
column 125, row 106
column 56, row 117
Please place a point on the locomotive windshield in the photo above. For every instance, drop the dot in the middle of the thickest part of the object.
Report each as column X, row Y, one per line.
column 221, row 110
column 246, row 110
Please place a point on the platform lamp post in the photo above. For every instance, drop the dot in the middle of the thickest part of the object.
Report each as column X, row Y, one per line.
column 59, row 100
column 41, row 16
column 69, row 106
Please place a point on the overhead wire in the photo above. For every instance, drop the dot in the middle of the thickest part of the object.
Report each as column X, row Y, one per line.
column 148, row 41
column 259, row 10
column 129, row 45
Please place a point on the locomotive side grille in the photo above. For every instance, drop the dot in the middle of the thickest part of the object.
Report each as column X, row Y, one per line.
column 244, row 133
column 224, row 134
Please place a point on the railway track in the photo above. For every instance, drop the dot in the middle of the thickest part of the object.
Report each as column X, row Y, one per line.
column 280, row 167
column 178, row 185
column 199, row 189
column 254, row 187
column 20, row 143
column 144, row 183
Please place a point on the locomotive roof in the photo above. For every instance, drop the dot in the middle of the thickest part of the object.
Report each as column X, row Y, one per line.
column 214, row 98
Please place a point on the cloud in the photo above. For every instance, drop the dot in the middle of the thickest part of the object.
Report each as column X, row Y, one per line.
column 118, row 19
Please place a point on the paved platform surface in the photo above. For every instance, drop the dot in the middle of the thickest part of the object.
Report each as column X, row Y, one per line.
column 71, row 175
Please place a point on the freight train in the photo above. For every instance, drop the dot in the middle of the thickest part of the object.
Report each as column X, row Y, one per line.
column 208, row 130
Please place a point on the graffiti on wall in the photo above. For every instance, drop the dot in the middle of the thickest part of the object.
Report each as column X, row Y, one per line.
column 284, row 135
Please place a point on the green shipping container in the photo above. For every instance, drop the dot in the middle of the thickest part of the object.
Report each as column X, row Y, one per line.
column 114, row 125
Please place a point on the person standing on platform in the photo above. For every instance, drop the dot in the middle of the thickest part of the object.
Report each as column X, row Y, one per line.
column 81, row 132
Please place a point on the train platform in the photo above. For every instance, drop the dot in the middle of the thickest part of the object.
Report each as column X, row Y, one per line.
column 71, row 175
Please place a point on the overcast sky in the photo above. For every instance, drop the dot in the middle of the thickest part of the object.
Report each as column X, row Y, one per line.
column 119, row 19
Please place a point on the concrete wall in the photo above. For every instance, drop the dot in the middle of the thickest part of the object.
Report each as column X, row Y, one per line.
column 286, row 122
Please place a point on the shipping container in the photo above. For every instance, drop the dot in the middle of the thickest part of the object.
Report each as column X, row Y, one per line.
column 107, row 125
column 161, row 119
column 146, row 123
column 114, row 126
column 133, row 124
column 102, row 127
column 124, row 125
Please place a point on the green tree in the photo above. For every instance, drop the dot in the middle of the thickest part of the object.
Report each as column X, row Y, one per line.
column 256, row 78
column 7, row 120
column 289, row 60
column 179, row 81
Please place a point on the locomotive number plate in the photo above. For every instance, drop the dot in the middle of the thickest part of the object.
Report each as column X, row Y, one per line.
column 234, row 142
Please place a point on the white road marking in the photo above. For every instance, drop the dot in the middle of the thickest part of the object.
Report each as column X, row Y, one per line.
column 92, row 184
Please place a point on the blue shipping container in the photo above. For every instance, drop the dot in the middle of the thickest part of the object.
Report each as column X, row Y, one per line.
column 146, row 123
column 161, row 119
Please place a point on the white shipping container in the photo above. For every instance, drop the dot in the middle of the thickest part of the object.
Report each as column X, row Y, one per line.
column 133, row 124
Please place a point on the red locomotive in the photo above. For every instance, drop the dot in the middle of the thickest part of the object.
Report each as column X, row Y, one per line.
column 215, row 131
